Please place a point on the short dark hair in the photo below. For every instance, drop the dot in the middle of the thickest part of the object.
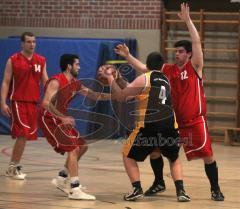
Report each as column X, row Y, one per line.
column 67, row 59
column 187, row 45
column 23, row 36
column 154, row 61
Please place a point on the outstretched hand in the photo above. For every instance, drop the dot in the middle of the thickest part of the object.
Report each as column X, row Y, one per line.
column 122, row 50
column 184, row 14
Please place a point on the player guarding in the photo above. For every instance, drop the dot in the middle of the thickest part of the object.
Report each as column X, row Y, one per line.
column 189, row 102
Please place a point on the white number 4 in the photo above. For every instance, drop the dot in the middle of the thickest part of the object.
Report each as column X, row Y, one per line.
column 184, row 75
column 162, row 94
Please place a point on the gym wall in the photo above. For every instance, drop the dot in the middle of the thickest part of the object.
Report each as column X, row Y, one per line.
column 138, row 19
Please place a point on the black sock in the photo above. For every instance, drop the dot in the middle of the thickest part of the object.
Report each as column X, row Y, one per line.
column 137, row 184
column 212, row 174
column 157, row 167
column 75, row 184
column 62, row 173
column 179, row 185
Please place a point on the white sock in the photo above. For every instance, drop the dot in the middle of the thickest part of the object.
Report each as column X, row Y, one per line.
column 12, row 163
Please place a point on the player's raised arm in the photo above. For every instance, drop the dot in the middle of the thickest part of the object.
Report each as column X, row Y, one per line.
column 123, row 51
column 197, row 54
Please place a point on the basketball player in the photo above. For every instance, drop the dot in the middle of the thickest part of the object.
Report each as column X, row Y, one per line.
column 156, row 126
column 23, row 72
column 59, row 129
column 189, row 104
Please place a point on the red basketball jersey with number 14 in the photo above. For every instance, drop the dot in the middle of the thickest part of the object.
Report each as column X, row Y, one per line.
column 26, row 77
column 187, row 92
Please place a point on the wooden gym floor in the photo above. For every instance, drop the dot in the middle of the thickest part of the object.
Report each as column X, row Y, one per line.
column 102, row 172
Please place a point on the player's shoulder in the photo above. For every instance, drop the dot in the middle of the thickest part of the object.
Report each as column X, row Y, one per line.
column 189, row 64
column 157, row 74
column 60, row 78
column 167, row 67
column 57, row 76
column 189, row 67
column 141, row 80
column 53, row 81
column 39, row 57
column 16, row 55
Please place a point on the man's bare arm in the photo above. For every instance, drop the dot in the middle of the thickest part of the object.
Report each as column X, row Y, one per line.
column 133, row 89
column 5, row 88
column 197, row 54
column 121, row 81
column 49, row 96
column 123, row 51
column 44, row 75
column 96, row 96
column 48, row 99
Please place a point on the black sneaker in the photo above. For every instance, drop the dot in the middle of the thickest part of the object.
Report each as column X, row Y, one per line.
column 217, row 195
column 154, row 189
column 134, row 195
column 182, row 196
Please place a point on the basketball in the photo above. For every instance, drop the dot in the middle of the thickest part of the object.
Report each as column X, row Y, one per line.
column 104, row 81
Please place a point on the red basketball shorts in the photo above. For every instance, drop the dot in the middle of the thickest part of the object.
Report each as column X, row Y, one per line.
column 62, row 137
column 196, row 140
column 24, row 120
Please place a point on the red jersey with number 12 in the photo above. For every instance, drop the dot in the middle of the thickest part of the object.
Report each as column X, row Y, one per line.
column 187, row 92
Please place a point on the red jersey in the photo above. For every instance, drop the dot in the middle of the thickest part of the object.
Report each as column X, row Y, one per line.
column 64, row 138
column 187, row 92
column 26, row 77
column 67, row 91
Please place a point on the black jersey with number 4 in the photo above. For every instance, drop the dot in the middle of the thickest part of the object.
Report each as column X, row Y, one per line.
column 155, row 106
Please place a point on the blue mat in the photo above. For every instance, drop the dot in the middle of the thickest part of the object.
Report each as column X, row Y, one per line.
column 92, row 53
